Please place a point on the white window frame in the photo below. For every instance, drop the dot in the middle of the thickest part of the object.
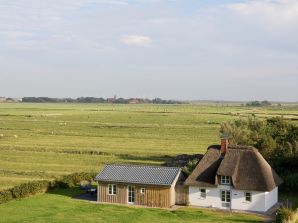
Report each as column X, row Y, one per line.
column 224, row 194
column 112, row 189
column 203, row 193
column 143, row 190
column 225, row 180
column 249, row 195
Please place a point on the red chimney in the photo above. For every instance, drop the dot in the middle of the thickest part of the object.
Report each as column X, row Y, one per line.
column 224, row 143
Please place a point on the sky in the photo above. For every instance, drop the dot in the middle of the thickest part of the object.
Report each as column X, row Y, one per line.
column 173, row 49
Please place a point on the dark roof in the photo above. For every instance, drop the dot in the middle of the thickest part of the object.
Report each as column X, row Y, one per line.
column 245, row 165
column 205, row 172
column 147, row 175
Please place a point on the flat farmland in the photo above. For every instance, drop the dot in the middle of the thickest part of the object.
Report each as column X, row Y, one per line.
column 44, row 141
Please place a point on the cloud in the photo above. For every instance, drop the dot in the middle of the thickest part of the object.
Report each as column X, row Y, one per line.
column 136, row 40
column 274, row 13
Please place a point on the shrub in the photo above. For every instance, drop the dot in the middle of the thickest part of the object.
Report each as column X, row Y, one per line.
column 41, row 186
column 286, row 215
column 74, row 179
column 5, row 196
column 290, row 182
column 30, row 188
column 190, row 166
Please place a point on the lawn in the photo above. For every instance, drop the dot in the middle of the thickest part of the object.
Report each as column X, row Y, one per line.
column 59, row 206
column 43, row 141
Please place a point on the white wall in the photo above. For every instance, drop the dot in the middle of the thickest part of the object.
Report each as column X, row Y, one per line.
column 260, row 201
column 271, row 198
column 257, row 201
column 212, row 197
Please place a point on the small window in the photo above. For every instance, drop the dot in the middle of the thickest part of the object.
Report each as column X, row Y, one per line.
column 203, row 193
column 247, row 196
column 112, row 189
column 226, row 180
column 143, row 190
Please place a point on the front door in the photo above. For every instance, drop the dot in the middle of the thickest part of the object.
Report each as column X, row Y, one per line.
column 226, row 199
column 131, row 194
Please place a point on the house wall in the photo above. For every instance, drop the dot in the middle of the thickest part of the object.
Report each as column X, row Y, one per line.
column 271, row 198
column 172, row 190
column 212, row 197
column 261, row 201
column 154, row 196
column 257, row 201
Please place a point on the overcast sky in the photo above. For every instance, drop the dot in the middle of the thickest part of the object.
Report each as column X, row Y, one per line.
column 178, row 49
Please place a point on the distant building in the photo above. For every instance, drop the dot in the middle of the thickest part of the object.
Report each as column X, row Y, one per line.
column 2, row 99
column 134, row 101
column 111, row 100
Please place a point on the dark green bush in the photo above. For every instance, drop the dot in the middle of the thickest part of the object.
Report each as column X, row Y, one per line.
column 41, row 186
column 190, row 166
column 5, row 196
column 283, row 215
column 30, row 188
column 290, row 182
column 74, row 179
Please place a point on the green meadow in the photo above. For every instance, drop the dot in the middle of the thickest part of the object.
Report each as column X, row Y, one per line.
column 59, row 207
column 44, row 141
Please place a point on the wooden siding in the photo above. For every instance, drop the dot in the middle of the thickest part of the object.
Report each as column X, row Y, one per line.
column 154, row 196
column 181, row 194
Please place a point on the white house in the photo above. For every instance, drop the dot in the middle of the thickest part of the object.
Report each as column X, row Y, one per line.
column 235, row 178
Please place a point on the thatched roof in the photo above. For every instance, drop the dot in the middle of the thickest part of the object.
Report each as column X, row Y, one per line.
column 245, row 165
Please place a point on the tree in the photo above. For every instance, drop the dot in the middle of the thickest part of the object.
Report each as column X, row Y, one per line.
column 275, row 138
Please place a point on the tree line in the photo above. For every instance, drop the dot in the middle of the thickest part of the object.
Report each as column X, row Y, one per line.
column 101, row 100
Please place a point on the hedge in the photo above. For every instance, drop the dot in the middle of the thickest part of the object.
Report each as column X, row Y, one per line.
column 42, row 186
column 30, row 188
column 5, row 196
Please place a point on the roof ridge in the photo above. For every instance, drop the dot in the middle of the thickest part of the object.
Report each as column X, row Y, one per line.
column 137, row 165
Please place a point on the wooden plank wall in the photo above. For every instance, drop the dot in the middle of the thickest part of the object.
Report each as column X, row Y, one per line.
column 181, row 194
column 154, row 196
column 103, row 196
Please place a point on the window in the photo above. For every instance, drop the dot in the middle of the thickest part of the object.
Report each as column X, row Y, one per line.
column 226, row 180
column 226, row 196
column 112, row 189
column 203, row 193
column 247, row 196
column 143, row 190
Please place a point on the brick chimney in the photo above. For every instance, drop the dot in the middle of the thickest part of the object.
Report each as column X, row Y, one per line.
column 224, row 143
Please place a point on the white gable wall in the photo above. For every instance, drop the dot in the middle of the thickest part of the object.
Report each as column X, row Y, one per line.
column 271, row 198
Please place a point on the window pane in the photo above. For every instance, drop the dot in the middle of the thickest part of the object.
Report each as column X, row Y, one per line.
column 228, row 197
column 114, row 189
column 223, row 196
column 227, row 180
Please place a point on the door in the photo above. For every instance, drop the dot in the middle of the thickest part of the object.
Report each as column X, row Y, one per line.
column 131, row 194
column 225, row 199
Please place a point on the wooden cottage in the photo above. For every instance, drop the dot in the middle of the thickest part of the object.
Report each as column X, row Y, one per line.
column 152, row 186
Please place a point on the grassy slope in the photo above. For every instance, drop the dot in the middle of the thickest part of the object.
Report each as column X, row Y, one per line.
column 60, row 207
column 48, row 140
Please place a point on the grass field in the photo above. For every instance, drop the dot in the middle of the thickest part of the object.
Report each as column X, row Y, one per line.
column 43, row 141
column 60, row 207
